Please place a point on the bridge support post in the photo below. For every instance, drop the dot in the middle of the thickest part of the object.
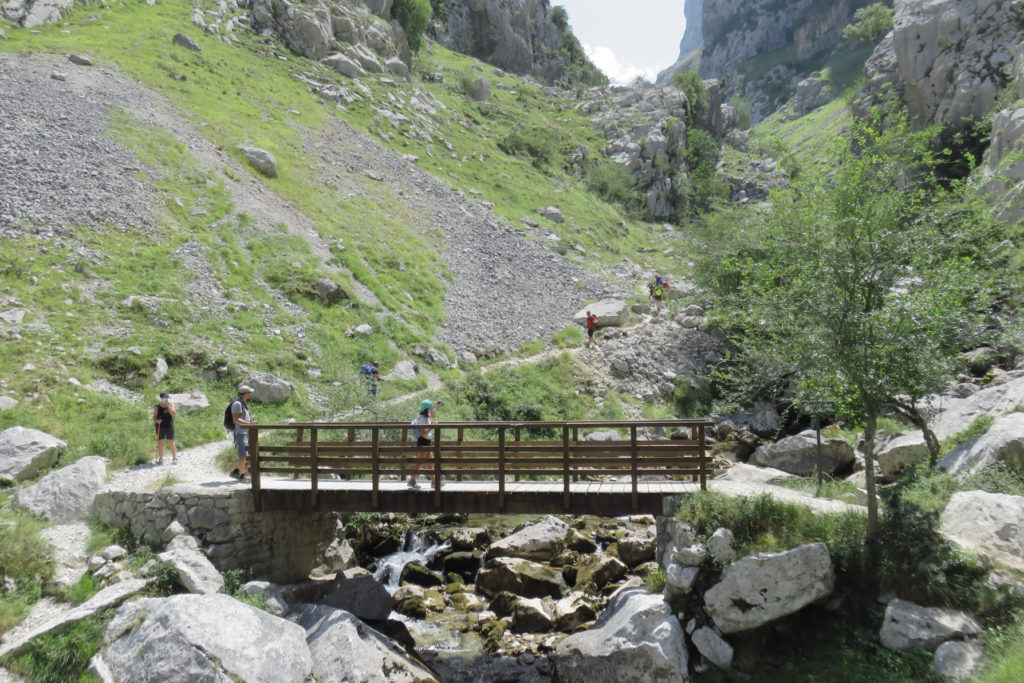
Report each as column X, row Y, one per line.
column 437, row 467
column 501, row 468
column 254, row 468
column 633, row 467
column 314, row 435
column 566, row 477
column 375, row 451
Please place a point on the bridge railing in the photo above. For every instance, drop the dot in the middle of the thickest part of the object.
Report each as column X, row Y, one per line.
column 489, row 451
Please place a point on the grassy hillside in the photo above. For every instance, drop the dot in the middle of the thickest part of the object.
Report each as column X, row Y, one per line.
column 265, row 315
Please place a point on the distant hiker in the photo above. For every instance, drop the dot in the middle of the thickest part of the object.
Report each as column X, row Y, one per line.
column 422, row 435
column 163, row 416
column 656, row 290
column 370, row 372
column 591, row 327
column 242, row 419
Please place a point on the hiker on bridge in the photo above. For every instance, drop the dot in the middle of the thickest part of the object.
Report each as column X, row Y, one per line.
column 370, row 372
column 243, row 420
column 422, row 434
column 163, row 417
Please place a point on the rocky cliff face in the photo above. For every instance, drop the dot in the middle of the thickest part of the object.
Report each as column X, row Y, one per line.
column 772, row 45
column 693, row 36
column 525, row 37
column 952, row 62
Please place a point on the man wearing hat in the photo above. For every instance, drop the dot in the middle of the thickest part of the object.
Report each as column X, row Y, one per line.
column 242, row 419
column 163, row 416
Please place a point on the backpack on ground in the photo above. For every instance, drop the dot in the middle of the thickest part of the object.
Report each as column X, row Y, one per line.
column 229, row 419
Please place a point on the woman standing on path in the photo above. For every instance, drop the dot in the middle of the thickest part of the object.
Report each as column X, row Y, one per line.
column 163, row 416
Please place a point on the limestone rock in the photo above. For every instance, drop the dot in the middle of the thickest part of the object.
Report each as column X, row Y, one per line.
column 404, row 370
column 269, row 389
column 189, row 402
column 1003, row 442
column 574, row 610
column 356, row 591
column 907, row 626
column 960, row 413
column 344, row 65
column 636, row 549
column 540, row 541
column 713, row 646
column 959, row 661
column 305, row 28
column 904, row 449
column 186, row 42
column 262, row 160
column 522, row 577
column 344, row 649
column 24, row 452
column 552, row 213
column 636, row 638
column 599, row 570
column 610, row 313
column 720, row 546
column 104, row 599
column 204, row 637
column 196, row 573
column 990, row 524
column 6, row 403
column 65, row 495
column 679, row 582
column 761, row 588
column 533, row 615
column 272, row 594
column 754, row 475
column 798, row 455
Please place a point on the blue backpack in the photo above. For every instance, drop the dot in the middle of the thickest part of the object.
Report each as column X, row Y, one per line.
column 366, row 370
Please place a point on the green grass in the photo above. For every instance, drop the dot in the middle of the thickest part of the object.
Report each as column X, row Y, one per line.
column 24, row 558
column 64, row 656
column 836, row 489
column 1004, row 648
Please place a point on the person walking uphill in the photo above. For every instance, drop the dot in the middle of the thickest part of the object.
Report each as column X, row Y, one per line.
column 163, row 417
column 422, row 434
column 371, row 374
column 591, row 327
column 242, row 419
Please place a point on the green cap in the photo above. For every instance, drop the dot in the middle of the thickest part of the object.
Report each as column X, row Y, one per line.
column 426, row 405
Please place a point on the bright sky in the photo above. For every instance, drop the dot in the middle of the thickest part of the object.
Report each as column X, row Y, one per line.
column 627, row 39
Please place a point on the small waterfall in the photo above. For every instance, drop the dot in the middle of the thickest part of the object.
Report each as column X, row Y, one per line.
column 421, row 549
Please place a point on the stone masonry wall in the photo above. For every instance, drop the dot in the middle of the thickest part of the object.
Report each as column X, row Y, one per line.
column 276, row 546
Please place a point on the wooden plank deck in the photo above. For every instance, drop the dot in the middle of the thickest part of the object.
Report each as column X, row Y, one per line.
column 606, row 498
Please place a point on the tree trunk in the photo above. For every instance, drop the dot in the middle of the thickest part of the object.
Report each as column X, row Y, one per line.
column 914, row 416
column 869, row 472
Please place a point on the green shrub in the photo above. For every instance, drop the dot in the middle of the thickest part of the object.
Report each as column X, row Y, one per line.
column 692, row 85
column 84, row 589
column 540, row 144
column 691, row 401
column 742, row 109
column 570, row 337
column 1004, row 648
column 414, row 17
column 614, row 183
column 64, row 656
column 25, row 559
column 870, row 24
column 655, row 580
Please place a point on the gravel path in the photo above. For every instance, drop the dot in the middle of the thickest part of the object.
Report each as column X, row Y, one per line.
column 195, row 466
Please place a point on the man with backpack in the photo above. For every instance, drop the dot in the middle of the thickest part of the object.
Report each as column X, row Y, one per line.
column 656, row 290
column 238, row 420
column 370, row 373
column 591, row 327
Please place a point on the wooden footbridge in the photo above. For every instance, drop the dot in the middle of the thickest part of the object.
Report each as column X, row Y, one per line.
column 483, row 467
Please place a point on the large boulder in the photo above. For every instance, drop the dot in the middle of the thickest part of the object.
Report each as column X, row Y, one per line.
column 202, row 638
column 269, row 389
column 991, row 524
column 599, row 570
column 541, row 541
column 1003, row 442
column 636, row 549
column 959, row 661
column 958, row 414
column 195, row 571
column 533, row 615
column 65, row 495
column 522, row 577
column 904, row 449
column 907, row 626
column 761, row 588
column 189, row 402
column 636, row 638
column 306, row 28
column 24, row 452
column 799, row 455
column 574, row 610
column 344, row 650
column 262, row 160
column 752, row 474
column 356, row 591
column 713, row 646
column 610, row 313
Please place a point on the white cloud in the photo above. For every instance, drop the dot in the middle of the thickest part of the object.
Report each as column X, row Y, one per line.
column 623, row 74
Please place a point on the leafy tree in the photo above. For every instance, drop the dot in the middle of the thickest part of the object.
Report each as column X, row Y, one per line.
column 703, row 184
column 860, row 285
column 692, row 85
column 742, row 109
column 870, row 24
column 414, row 17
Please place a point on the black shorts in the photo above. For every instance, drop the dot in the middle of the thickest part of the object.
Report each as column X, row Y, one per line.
column 165, row 431
column 590, row 333
column 422, row 441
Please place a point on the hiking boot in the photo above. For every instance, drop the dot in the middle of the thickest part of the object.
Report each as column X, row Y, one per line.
column 243, row 477
column 234, row 473
column 413, row 484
